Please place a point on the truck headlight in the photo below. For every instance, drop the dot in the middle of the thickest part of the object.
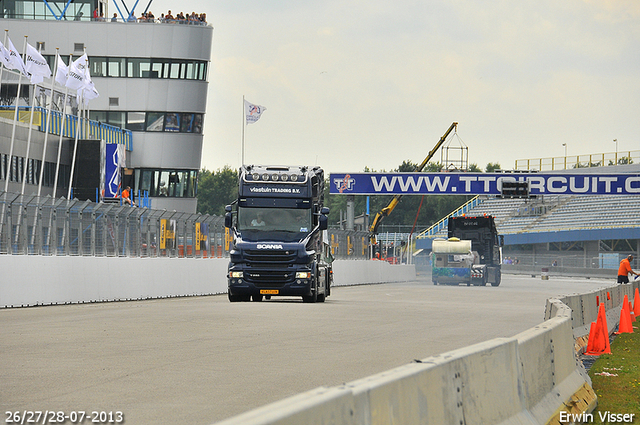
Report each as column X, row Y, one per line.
column 235, row 274
column 303, row 275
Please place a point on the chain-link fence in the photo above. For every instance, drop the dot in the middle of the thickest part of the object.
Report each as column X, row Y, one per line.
column 32, row 225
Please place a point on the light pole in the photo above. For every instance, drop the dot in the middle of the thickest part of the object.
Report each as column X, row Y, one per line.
column 616, row 157
column 565, row 155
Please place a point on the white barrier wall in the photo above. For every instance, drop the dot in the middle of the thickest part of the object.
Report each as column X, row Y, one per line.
column 37, row 280
column 527, row 379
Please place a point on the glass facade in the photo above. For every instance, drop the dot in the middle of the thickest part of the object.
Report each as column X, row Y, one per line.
column 177, row 122
column 161, row 68
column 166, row 183
column 77, row 10
column 14, row 170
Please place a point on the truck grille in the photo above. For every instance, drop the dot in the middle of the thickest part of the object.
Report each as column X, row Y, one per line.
column 265, row 256
column 269, row 278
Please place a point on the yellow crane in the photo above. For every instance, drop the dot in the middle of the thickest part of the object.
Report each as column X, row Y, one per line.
column 373, row 229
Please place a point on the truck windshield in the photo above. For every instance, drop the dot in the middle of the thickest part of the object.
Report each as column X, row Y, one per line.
column 262, row 223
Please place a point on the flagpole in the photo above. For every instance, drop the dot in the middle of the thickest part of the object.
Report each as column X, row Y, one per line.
column 62, row 124
column 33, row 110
column 6, row 176
column 4, row 43
column 48, row 123
column 75, row 147
column 244, row 124
column 13, row 137
column 15, row 119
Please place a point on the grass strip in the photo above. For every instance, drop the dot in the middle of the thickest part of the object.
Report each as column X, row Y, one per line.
column 616, row 377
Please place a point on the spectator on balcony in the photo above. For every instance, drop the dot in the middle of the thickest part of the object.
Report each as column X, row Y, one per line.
column 126, row 196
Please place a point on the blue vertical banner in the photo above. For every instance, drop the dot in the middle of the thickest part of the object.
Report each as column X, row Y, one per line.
column 114, row 160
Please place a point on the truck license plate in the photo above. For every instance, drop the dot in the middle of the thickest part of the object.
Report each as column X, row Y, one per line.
column 269, row 292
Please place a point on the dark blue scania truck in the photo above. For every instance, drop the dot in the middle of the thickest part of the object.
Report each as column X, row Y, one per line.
column 278, row 227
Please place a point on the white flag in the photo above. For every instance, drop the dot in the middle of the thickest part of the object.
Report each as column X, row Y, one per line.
column 252, row 112
column 76, row 78
column 36, row 65
column 89, row 93
column 5, row 56
column 62, row 71
column 15, row 61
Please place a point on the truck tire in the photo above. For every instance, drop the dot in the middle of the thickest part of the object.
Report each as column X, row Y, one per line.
column 497, row 278
column 323, row 296
column 238, row 298
column 314, row 294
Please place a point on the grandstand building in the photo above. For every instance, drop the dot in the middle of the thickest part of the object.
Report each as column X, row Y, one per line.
column 570, row 231
column 152, row 80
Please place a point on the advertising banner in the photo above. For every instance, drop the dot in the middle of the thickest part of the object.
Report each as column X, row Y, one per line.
column 114, row 161
column 482, row 183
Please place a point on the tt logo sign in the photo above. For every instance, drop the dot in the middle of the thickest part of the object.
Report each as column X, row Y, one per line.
column 345, row 183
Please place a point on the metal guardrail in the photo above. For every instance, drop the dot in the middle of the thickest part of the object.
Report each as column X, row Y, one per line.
column 578, row 161
column 32, row 225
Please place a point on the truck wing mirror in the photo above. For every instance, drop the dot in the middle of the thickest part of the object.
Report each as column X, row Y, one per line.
column 323, row 222
column 501, row 240
column 228, row 220
column 228, row 208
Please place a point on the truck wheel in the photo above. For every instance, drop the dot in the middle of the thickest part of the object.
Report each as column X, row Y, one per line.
column 323, row 296
column 314, row 295
column 256, row 298
column 234, row 298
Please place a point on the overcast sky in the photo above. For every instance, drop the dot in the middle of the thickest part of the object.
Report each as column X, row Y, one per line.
column 371, row 83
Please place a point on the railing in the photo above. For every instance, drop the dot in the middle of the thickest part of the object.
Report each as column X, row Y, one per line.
column 32, row 225
column 578, row 161
column 443, row 223
column 88, row 128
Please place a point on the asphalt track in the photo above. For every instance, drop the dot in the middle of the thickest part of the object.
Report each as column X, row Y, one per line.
column 202, row 359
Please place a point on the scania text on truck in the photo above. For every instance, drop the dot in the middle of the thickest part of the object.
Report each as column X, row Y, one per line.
column 278, row 225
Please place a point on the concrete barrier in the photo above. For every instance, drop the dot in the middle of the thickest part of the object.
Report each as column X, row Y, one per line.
column 528, row 379
column 37, row 280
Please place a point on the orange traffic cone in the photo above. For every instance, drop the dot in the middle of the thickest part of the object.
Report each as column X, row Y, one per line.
column 599, row 335
column 625, row 318
column 636, row 303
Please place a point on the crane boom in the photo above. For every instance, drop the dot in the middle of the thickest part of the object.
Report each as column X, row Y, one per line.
column 373, row 229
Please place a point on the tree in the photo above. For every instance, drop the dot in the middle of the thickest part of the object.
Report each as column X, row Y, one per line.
column 216, row 190
column 474, row 168
column 492, row 166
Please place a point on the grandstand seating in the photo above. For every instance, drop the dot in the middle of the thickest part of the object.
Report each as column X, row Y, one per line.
column 558, row 213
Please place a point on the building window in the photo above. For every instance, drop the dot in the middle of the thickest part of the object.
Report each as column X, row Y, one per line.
column 135, row 121
column 117, row 67
column 155, row 121
column 98, row 67
column 3, row 166
column 167, row 183
column 151, row 121
column 172, row 122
